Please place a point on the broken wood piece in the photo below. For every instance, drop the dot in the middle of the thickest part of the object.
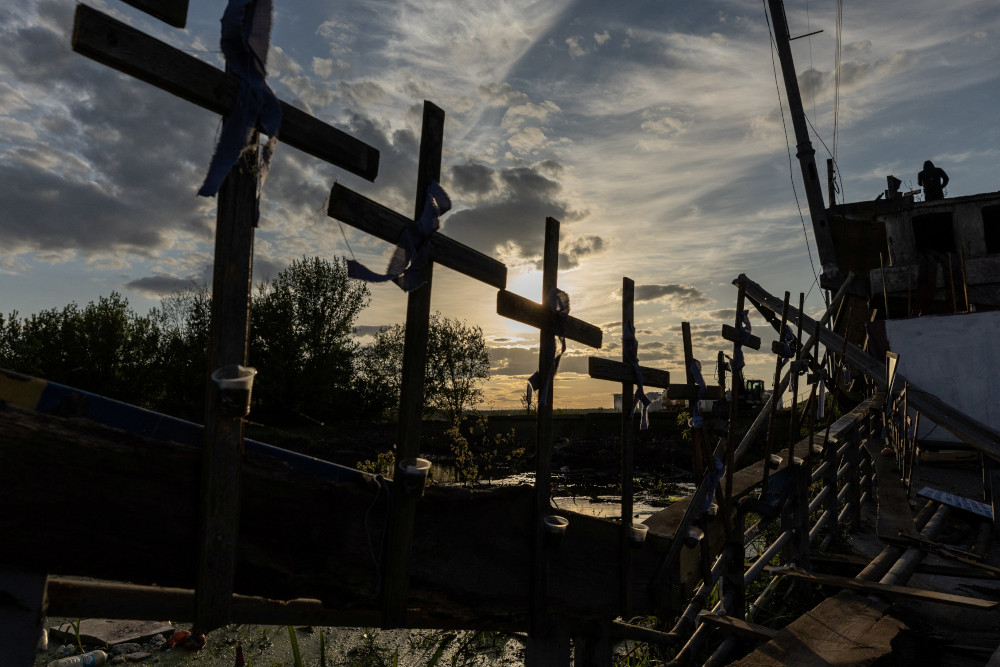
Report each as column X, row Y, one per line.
column 737, row 626
column 888, row 590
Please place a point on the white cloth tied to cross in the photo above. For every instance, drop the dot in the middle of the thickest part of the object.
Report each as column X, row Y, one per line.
column 246, row 37
column 413, row 247
column 631, row 349
column 559, row 303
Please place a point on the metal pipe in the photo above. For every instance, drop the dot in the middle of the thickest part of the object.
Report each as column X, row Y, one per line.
column 719, row 656
column 843, row 492
column 814, row 532
column 766, row 557
column 842, row 517
column 818, row 500
column 907, row 564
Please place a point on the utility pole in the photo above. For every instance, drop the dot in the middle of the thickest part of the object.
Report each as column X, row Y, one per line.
column 804, row 151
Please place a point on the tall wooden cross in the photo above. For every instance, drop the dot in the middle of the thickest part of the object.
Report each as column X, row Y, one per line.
column 694, row 395
column 369, row 216
column 623, row 372
column 121, row 47
column 547, row 645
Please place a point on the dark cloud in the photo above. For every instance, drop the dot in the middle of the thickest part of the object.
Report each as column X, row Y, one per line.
column 682, row 296
column 726, row 315
column 511, row 216
column 472, row 179
column 158, row 286
column 578, row 250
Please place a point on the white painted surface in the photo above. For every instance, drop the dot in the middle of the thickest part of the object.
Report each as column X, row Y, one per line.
column 954, row 357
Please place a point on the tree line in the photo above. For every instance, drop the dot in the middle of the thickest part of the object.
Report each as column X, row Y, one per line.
column 302, row 325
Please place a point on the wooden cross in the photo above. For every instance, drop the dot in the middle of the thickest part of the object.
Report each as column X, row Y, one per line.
column 546, row 645
column 386, row 224
column 623, row 371
column 702, row 455
column 121, row 47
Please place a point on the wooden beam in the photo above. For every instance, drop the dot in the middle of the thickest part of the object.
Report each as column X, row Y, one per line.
column 737, row 626
column 128, row 50
column 171, row 12
column 526, row 311
column 887, row 590
column 378, row 220
column 617, row 371
column 228, row 345
column 733, row 336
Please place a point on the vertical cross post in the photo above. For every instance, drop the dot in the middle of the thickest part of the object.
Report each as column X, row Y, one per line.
column 411, row 400
column 230, row 328
column 623, row 372
column 548, row 643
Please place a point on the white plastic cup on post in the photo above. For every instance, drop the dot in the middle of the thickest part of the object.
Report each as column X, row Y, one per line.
column 555, row 528
column 235, row 383
column 637, row 533
column 415, row 473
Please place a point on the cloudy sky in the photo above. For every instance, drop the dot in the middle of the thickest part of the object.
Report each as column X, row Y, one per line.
column 652, row 130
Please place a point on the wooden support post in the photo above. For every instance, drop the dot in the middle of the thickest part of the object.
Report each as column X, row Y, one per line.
column 854, row 476
column 793, row 425
column 592, row 645
column 734, row 584
column 734, row 395
column 622, row 371
column 775, row 398
column 229, row 340
column 701, row 453
column 796, row 515
column 411, row 399
column 628, row 319
column 22, row 613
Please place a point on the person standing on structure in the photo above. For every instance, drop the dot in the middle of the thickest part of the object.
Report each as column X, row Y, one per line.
column 933, row 180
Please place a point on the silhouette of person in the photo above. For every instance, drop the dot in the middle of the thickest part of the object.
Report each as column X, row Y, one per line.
column 933, row 180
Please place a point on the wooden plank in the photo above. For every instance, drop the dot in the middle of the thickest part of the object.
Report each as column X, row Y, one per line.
column 737, row 626
column 526, row 311
column 733, row 335
column 690, row 392
column 378, row 220
column 894, row 515
column 128, row 50
column 888, row 590
column 618, row 371
column 171, row 12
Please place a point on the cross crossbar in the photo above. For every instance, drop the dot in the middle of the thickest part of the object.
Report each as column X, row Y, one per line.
column 617, row 371
column 529, row 312
column 733, row 336
column 378, row 220
column 112, row 43
column 171, row 12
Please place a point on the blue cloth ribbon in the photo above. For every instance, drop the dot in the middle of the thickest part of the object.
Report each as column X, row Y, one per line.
column 559, row 303
column 786, row 342
column 715, row 475
column 246, row 36
column 630, row 347
column 413, row 247
column 696, row 420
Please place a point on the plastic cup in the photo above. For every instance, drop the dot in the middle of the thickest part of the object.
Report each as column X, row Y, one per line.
column 637, row 534
column 415, row 473
column 235, row 383
column 555, row 525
